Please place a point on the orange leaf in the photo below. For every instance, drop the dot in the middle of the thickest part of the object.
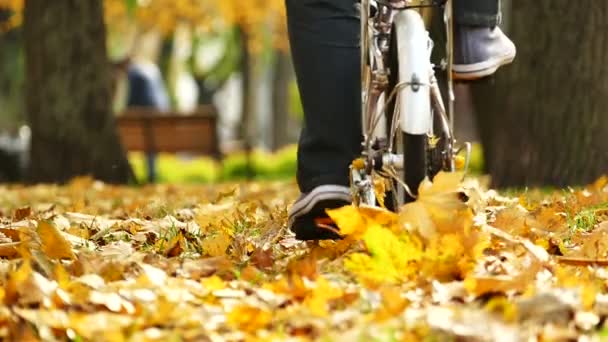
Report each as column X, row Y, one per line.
column 262, row 258
column 176, row 246
column 22, row 213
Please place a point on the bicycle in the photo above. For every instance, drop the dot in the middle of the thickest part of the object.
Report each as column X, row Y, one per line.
column 401, row 94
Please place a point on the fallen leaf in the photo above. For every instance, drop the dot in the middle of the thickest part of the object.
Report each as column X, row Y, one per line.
column 175, row 246
column 353, row 221
column 438, row 203
column 249, row 319
column 391, row 258
column 54, row 245
column 22, row 213
column 217, row 244
column 393, row 303
column 544, row 308
column 213, row 283
column 318, row 300
column 9, row 250
column 262, row 258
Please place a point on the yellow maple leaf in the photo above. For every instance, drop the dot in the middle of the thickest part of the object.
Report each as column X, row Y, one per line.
column 61, row 275
column 174, row 247
column 54, row 245
column 442, row 255
column 437, row 204
column 249, row 318
column 504, row 306
column 354, row 221
column 588, row 295
column 393, row 303
column 348, row 219
column 391, row 258
column 445, row 222
column 323, row 292
column 15, row 282
column 213, row 283
column 217, row 243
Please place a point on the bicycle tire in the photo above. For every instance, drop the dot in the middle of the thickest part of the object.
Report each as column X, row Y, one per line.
column 415, row 163
column 423, row 157
column 420, row 159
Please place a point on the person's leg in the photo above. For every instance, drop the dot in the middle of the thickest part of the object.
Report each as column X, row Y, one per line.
column 480, row 46
column 324, row 39
column 477, row 12
column 151, row 163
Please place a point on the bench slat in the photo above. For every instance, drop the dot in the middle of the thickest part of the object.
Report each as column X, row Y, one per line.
column 142, row 130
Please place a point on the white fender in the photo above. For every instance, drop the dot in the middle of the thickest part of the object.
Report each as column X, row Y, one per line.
column 414, row 55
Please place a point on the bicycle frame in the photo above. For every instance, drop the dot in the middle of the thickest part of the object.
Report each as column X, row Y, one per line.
column 417, row 95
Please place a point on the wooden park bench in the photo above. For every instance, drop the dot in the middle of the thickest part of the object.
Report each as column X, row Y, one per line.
column 150, row 131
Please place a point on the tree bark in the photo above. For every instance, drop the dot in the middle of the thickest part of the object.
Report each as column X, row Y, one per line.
column 280, row 99
column 11, row 76
column 246, row 126
column 543, row 120
column 68, row 92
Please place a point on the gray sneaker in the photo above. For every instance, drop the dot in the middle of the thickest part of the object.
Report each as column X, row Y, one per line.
column 309, row 210
column 480, row 51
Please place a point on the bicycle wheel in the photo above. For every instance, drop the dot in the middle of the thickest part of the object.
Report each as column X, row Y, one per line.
column 421, row 158
column 413, row 147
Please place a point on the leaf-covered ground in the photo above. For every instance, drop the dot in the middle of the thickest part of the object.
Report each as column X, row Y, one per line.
column 88, row 261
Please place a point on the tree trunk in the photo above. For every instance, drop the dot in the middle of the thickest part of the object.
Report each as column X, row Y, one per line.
column 543, row 120
column 68, row 100
column 11, row 75
column 164, row 63
column 280, row 99
column 248, row 106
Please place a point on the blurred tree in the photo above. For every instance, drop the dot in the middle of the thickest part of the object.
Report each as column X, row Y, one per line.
column 211, row 78
column 253, row 25
column 257, row 17
column 12, row 14
column 283, row 74
column 11, row 71
column 543, row 119
column 260, row 22
column 247, row 123
column 68, row 93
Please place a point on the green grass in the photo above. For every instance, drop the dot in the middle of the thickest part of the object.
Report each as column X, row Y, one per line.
column 172, row 168
column 178, row 169
column 586, row 219
column 476, row 165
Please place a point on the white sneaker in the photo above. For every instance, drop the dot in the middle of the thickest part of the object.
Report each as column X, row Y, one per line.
column 480, row 51
column 310, row 207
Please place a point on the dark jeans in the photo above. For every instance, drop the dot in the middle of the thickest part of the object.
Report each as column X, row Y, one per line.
column 477, row 12
column 324, row 38
column 151, row 166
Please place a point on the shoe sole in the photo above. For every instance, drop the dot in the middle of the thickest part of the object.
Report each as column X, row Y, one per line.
column 317, row 195
column 306, row 228
column 469, row 72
